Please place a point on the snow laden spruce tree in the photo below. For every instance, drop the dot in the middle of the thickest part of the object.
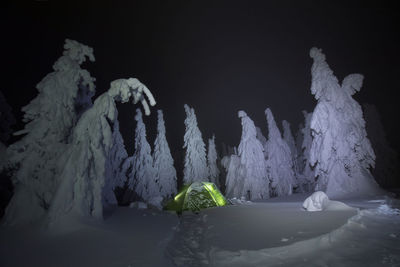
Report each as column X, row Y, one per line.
column 289, row 139
column 50, row 118
column 115, row 168
column 195, row 168
column 387, row 162
column 143, row 176
column 307, row 169
column 165, row 172
column 340, row 150
column 83, row 176
column 212, row 161
column 279, row 160
column 252, row 169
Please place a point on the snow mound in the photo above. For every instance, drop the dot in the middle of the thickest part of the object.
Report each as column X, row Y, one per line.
column 319, row 201
column 316, row 202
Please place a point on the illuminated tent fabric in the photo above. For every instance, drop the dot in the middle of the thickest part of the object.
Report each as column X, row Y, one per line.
column 197, row 196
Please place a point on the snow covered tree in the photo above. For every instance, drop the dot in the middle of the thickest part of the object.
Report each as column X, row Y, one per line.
column 63, row 95
column 299, row 142
column 308, row 171
column 83, row 175
column 7, row 119
column 212, row 161
column 234, row 181
column 143, row 176
column 387, row 162
column 253, row 169
column 288, row 138
column 195, row 169
column 279, row 160
column 340, row 150
column 163, row 161
column 115, row 168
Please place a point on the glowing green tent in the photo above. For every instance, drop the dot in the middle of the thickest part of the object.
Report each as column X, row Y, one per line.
column 197, row 196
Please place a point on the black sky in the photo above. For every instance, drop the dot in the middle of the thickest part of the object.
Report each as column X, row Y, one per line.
column 217, row 56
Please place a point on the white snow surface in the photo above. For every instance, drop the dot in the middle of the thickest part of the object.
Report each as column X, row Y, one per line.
column 276, row 232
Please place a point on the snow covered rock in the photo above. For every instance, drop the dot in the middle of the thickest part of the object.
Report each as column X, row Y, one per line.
column 319, row 201
column 316, row 202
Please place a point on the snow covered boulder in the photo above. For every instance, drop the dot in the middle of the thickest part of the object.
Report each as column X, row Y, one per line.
column 319, row 201
column 316, row 202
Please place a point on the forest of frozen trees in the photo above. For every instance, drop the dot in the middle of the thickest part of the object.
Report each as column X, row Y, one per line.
column 72, row 162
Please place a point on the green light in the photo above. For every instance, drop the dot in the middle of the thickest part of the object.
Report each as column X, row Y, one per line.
column 214, row 193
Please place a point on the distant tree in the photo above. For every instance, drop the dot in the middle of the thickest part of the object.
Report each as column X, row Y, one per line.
column 195, row 168
column 50, row 118
column 308, row 170
column 340, row 150
column 234, row 182
column 163, row 161
column 143, row 176
column 116, row 175
column 212, row 161
column 386, row 171
column 279, row 160
column 299, row 143
column 288, row 138
column 260, row 136
column 7, row 119
column 253, row 169
column 82, row 191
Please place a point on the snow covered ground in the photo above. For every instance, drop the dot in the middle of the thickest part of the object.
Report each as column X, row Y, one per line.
column 273, row 233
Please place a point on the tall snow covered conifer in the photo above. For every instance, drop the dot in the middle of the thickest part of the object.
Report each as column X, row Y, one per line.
column 83, row 175
column 279, row 159
column 195, row 168
column 253, row 168
column 340, row 151
column 234, row 180
column 63, row 95
column 212, row 161
column 143, row 176
column 308, row 171
column 288, row 138
column 163, row 161
column 115, row 168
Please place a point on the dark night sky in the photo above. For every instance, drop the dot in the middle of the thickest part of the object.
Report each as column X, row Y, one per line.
column 217, row 56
